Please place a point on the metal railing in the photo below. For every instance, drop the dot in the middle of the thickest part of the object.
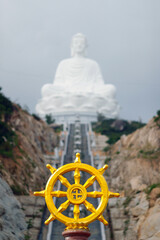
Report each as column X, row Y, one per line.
column 59, row 183
column 94, row 184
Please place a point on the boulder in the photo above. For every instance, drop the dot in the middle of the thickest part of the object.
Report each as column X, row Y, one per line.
column 150, row 229
column 141, row 208
column 12, row 223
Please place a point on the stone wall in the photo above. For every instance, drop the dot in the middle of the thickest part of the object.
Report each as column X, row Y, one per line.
column 33, row 208
column 133, row 219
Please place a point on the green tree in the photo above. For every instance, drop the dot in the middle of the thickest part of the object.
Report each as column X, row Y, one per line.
column 100, row 117
column 49, row 119
column 158, row 113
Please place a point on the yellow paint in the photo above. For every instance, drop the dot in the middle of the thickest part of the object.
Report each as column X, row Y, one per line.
column 76, row 194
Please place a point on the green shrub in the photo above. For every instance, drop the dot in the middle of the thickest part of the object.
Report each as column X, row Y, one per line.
column 8, row 140
column 126, row 224
column 157, row 118
column 6, row 107
column 127, row 201
column 108, row 159
column 30, row 223
column 36, row 117
column 149, row 154
column 27, row 237
column 114, row 129
column 49, row 119
column 58, row 129
column 106, row 149
column 17, row 190
column 151, row 187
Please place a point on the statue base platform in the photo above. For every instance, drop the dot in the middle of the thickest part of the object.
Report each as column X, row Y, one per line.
column 76, row 234
column 71, row 117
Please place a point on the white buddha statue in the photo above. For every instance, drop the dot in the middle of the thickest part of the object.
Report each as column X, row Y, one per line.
column 78, row 86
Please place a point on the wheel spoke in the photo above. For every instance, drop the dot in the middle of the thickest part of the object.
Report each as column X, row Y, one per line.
column 102, row 170
column 76, row 212
column 92, row 209
column 89, row 182
column 77, row 176
column 112, row 194
column 94, row 194
column 41, row 193
column 59, row 194
column 89, row 206
column 64, row 181
column 63, row 206
column 50, row 219
column 103, row 220
column 77, row 160
column 52, row 169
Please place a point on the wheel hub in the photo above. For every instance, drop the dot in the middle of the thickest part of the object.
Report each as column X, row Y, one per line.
column 76, row 194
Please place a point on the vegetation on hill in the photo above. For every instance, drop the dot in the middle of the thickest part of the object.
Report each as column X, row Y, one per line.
column 114, row 129
column 49, row 119
column 8, row 138
column 157, row 118
column 6, row 107
column 24, row 140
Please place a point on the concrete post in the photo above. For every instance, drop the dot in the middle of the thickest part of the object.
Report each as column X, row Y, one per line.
column 76, row 234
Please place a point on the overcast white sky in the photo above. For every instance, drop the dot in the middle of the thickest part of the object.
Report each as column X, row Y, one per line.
column 123, row 36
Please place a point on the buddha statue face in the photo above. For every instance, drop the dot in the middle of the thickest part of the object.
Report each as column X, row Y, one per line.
column 79, row 45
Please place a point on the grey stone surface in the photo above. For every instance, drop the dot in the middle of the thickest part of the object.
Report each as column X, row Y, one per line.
column 31, row 201
column 141, row 208
column 2, row 210
column 118, row 235
column 151, row 227
column 116, row 202
column 117, row 213
column 33, row 208
column 33, row 233
column 12, row 221
column 131, row 234
column 118, row 224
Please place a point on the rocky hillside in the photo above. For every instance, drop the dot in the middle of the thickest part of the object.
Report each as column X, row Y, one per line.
column 135, row 158
column 134, row 170
column 24, row 139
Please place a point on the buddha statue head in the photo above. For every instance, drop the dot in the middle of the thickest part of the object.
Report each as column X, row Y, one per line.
column 78, row 45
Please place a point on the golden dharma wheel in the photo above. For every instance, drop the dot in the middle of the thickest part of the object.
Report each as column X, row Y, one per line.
column 76, row 194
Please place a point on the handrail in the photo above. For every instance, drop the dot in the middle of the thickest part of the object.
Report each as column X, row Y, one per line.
column 94, row 184
column 59, row 183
